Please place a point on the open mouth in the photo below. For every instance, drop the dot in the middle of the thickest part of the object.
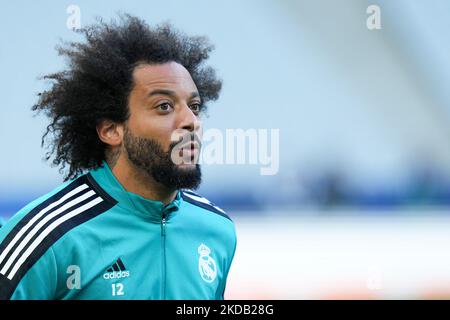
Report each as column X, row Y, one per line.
column 189, row 152
column 189, row 149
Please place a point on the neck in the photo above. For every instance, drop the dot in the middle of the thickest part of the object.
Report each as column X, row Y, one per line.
column 139, row 182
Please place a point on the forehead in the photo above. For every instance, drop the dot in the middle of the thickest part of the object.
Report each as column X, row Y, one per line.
column 166, row 75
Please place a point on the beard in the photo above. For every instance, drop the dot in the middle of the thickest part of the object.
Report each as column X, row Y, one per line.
column 149, row 156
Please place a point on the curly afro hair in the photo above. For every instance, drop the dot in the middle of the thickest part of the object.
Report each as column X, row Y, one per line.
column 98, row 81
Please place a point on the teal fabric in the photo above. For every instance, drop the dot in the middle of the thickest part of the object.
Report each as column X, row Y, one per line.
column 138, row 249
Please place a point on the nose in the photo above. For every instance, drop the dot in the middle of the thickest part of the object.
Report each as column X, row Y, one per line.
column 188, row 120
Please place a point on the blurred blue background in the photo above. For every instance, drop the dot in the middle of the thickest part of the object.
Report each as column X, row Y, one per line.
column 364, row 115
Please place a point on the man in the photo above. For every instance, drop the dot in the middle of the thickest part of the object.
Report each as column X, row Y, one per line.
column 127, row 112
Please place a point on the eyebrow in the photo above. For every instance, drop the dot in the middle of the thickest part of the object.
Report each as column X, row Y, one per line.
column 171, row 93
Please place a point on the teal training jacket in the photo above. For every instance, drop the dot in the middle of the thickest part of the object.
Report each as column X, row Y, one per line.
column 91, row 239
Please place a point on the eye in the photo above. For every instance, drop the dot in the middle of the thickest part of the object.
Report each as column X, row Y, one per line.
column 164, row 107
column 196, row 108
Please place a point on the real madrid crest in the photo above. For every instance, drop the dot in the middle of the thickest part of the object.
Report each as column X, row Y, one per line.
column 206, row 265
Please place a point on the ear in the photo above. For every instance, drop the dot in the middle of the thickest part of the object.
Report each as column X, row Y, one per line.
column 110, row 132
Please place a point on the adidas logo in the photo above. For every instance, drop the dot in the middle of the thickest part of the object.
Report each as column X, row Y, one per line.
column 116, row 271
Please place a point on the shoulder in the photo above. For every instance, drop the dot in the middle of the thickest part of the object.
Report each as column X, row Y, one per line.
column 27, row 236
column 203, row 203
column 77, row 199
column 219, row 224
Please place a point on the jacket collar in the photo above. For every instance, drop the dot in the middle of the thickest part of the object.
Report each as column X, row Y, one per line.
column 147, row 208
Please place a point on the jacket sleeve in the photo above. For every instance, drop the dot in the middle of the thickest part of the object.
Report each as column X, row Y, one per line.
column 40, row 282
column 40, row 279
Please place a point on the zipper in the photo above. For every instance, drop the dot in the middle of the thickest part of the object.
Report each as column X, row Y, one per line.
column 163, row 252
column 163, row 226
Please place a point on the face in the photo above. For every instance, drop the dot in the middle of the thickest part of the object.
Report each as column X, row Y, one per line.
column 161, row 134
